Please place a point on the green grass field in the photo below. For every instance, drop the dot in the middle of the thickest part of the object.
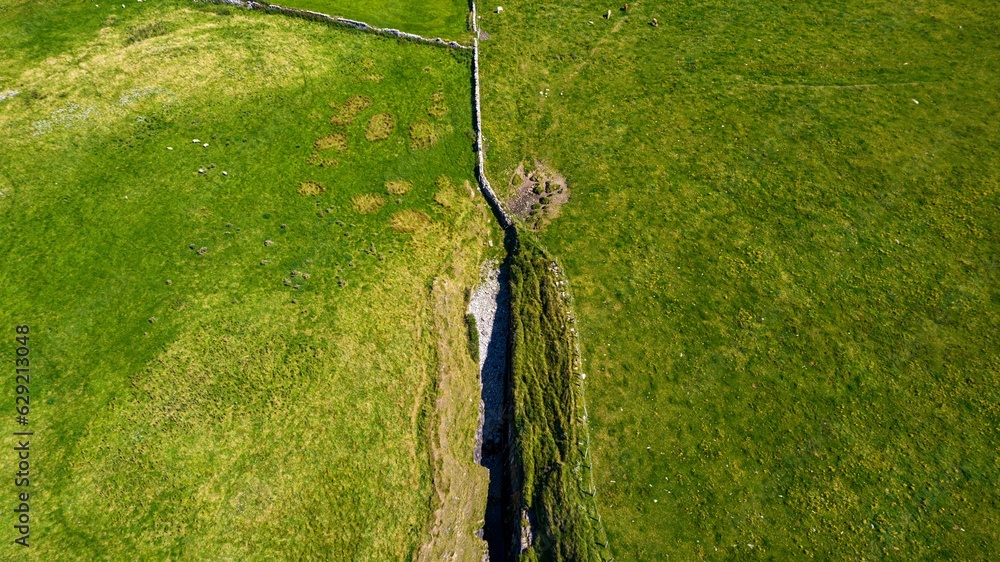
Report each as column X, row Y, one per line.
column 242, row 347
column 782, row 239
column 431, row 18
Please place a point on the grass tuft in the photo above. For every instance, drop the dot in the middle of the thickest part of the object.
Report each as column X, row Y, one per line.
column 311, row 188
column 470, row 323
column 423, row 135
column 398, row 187
column 140, row 33
column 438, row 108
column 336, row 141
column 349, row 110
column 380, row 127
column 317, row 159
column 368, row 203
column 409, row 221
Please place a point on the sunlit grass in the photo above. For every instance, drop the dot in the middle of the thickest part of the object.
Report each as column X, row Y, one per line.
column 781, row 235
column 272, row 392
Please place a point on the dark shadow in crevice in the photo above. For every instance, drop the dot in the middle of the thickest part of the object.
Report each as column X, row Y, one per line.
column 495, row 391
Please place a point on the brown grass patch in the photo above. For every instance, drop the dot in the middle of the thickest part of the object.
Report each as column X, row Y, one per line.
column 446, row 192
column 444, row 181
column 380, row 127
column 373, row 77
column 409, row 221
column 438, row 109
column 317, row 159
column 311, row 188
column 398, row 187
column 368, row 203
column 423, row 135
column 336, row 141
column 349, row 110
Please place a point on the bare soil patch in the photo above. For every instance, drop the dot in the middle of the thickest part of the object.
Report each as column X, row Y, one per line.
column 539, row 193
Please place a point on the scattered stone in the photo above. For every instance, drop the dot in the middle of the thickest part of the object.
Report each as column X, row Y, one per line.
column 202, row 251
column 499, row 9
column 196, row 141
column 211, row 166
column 169, row 282
column 296, row 287
column 225, row 173
column 288, row 282
column 205, row 145
column 268, row 243
column 305, row 276
column 191, row 246
column 263, row 262
column 283, row 225
column 152, row 319
column 201, row 170
column 607, row 16
column 654, row 23
column 294, row 273
column 170, row 148
column 342, row 282
column 294, row 301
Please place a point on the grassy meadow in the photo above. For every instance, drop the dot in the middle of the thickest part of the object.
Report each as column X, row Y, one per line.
column 447, row 19
column 782, row 239
column 242, row 347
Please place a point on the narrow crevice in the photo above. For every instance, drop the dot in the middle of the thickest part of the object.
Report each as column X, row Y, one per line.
column 490, row 303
